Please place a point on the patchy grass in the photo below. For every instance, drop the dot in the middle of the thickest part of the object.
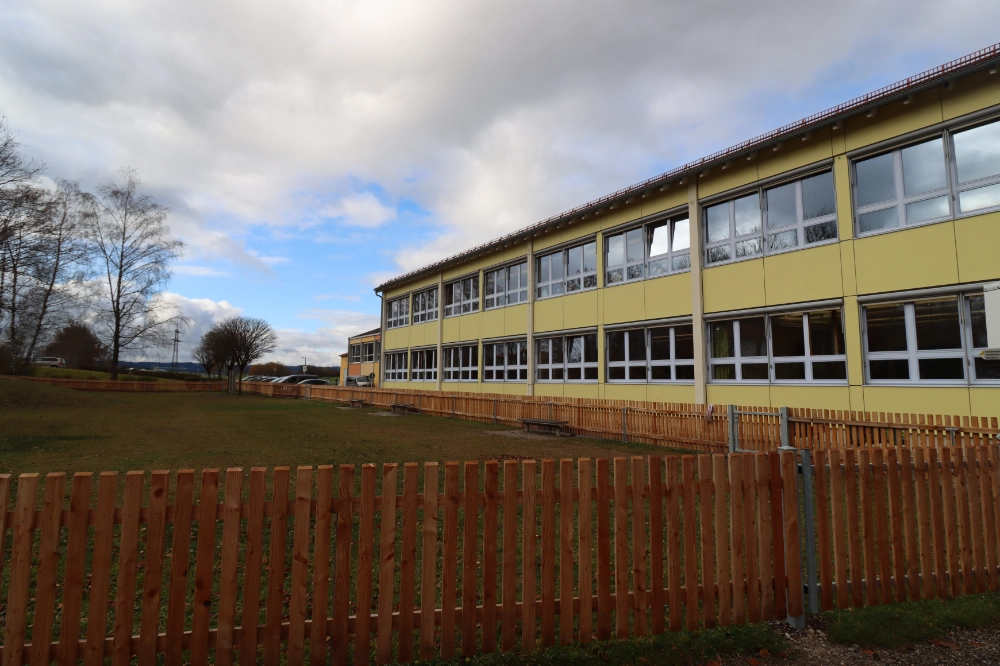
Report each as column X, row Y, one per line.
column 46, row 429
column 686, row 647
column 897, row 625
column 70, row 373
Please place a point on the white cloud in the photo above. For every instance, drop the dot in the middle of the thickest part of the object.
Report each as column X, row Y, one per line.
column 324, row 345
column 359, row 210
column 199, row 271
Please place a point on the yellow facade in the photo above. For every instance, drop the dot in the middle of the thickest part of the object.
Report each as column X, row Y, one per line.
column 849, row 271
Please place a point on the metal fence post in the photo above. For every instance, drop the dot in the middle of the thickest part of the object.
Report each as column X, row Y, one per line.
column 734, row 428
column 786, row 441
column 810, row 520
column 624, row 431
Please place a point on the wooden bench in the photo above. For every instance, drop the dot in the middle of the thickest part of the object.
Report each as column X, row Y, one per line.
column 555, row 427
column 359, row 402
column 405, row 407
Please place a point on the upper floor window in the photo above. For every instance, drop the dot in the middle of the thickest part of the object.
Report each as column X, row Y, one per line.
column 566, row 271
column 934, row 340
column 461, row 364
column 786, row 347
column 772, row 220
column 655, row 249
column 936, row 179
column 505, row 361
column 397, row 312
column 354, row 354
column 461, row 297
column 425, row 306
column 395, row 367
column 506, row 286
column 368, row 352
column 570, row 358
column 423, row 365
column 656, row 354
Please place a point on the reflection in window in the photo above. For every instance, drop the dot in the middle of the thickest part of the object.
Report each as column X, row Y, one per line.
column 566, row 358
column 461, row 364
column 505, row 361
column 461, row 297
column 915, row 341
column 566, row 271
column 423, row 365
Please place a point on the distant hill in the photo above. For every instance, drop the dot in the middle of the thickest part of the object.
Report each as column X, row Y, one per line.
column 150, row 365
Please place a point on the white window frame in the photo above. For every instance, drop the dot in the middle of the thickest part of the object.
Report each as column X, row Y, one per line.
column 397, row 312
column 395, row 366
column 970, row 343
column 738, row 359
column 646, row 333
column 631, row 337
column 354, row 353
column 425, row 306
column 953, row 189
column 423, row 365
column 467, row 300
column 461, row 363
column 565, row 284
column 367, row 357
column 517, row 289
column 801, row 225
column 671, row 256
column 565, row 365
column 502, row 286
column 491, row 369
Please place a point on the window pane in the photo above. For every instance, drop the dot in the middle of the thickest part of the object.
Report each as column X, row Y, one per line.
column 880, row 219
column 747, row 214
column 723, row 345
column 635, row 272
column 781, row 206
column 977, row 310
column 724, row 371
column 684, row 342
column 614, row 276
column 782, row 241
column 977, row 152
column 717, row 218
column 572, row 373
column 788, row 371
column 818, row 198
column 574, row 261
column 684, row 372
column 634, row 246
column 982, row 197
column 659, row 267
column 894, row 369
column 557, row 353
column 682, row 235
column 928, row 209
column 829, row 370
column 543, row 269
column 659, row 239
column 681, row 262
column 753, row 341
column 937, row 324
column 659, row 373
column 826, row 333
column 748, row 248
column 886, row 327
column 875, row 180
column 589, row 258
column 590, row 348
column 616, row 373
column 637, row 372
column 590, row 373
column 574, row 350
column 755, row 371
column 942, row 368
column 715, row 254
column 616, row 346
column 490, row 284
column 923, row 167
column 821, row 232
column 636, row 345
column 987, row 369
column 788, row 335
column 543, row 352
column 616, row 250
column 659, row 344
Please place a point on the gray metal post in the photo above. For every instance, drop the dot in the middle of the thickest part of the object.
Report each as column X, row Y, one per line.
column 734, row 430
column 810, row 519
column 624, row 434
column 786, row 440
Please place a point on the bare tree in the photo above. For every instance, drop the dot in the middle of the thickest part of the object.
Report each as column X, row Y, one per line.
column 133, row 248
column 235, row 343
column 204, row 354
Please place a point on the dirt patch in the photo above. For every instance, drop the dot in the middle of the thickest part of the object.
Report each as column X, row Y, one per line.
column 381, row 413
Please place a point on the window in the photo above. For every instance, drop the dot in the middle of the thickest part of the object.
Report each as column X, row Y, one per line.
column 395, row 366
column 929, row 340
column 423, row 365
column 397, row 312
column 659, row 248
column 785, row 347
column 425, row 306
column 570, row 358
column 354, row 355
column 461, row 364
column 506, row 286
column 505, row 361
column 655, row 354
column 461, row 297
column 368, row 352
column 955, row 173
column 772, row 220
column 567, row 271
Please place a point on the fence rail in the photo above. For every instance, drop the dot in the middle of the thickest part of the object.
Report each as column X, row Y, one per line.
column 129, row 386
column 703, row 428
column 496, row 556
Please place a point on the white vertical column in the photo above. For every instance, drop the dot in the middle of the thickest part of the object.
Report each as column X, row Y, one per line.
column 697, row 294
column 440, row 358
column 531, row 317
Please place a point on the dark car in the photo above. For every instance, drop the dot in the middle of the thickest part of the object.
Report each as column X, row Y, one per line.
column 294, row 379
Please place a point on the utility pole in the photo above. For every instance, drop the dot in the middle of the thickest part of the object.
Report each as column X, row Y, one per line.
column 305, row 366
column 173, row 359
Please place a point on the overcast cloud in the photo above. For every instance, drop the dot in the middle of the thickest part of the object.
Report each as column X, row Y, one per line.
column 400, row 132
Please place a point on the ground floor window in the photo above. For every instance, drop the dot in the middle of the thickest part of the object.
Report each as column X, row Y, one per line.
column 651, row 354
column 395, row 366
column 505, row 361
column 423, row 365
column 461, row 364
column 570, row 358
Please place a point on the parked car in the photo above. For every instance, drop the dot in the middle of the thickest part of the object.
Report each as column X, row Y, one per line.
column 363, row 380
column 294, row 379
column 314, row 382
column 49, row 362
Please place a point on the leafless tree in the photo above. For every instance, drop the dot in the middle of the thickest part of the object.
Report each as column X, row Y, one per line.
column 205, row 355
column 133, row 249
column 236, row 342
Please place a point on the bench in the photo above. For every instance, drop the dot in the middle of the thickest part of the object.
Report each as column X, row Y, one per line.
column 405, row 407
column 555, row 427
column 359, row 402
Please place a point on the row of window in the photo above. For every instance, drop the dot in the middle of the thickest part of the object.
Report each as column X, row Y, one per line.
column 364, row 353
column 934, row 340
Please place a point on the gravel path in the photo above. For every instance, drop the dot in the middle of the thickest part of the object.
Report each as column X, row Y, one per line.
column 811, row 647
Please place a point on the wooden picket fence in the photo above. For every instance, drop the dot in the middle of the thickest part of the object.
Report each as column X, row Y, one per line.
column 703, row 428
column 485, row 561
column 130, row 386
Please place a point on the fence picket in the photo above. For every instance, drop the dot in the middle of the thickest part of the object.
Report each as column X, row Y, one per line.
column 366, row 567
column 449, row 565
column 408, row 563
column 768, row 549
column 48, row 562
column 76, row 556
column 754, row 590
column 342, row 564
column 882, row 526
column 386, row 566
column 585, row 573
column 508, row 637
column 737, row 542
column 706, row 508
column 252, row 571
column 603, row 550
column 566, row 551
column 470, row 581
column 639, row 588
column 657, row 601
column 128, row 560
column 321, row 566
column 690, row 555
column 156, row 527
column 528, row 557
column 276, row 564
column 428, row 574
column 490, row 489
column 20, row 570
column 622, row 564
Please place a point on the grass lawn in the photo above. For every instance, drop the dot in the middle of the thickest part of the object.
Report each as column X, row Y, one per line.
column 47, row 429
column 70, row 373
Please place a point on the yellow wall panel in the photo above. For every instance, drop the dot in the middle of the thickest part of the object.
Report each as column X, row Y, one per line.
column 626, row 302
column 985, row 402
column 452, row 330
column 814, row 397
column 397, row 338
column 917, row 400
column 894, row 119
column 668, row 296
column 670, row 393
column 674, row 196
column 978, row 241
column 471, row 326
column 580, row 310
column 549, row 390
column 741, row 172
column 493, row 323
column 794, row 153
column 857, row 398
column 907, row 259
column 549, row 314
column 803, row 275
column 625, row 392
column 847, row 267
column 618, row 215
column 971, row 93
column 734, row 286
column 579, row 390
column 515, row 320
column 735, row 394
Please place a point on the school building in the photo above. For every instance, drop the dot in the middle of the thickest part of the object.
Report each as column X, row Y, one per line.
column 839, row 262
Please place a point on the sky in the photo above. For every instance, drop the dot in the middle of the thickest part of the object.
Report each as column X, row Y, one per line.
column 309, row 151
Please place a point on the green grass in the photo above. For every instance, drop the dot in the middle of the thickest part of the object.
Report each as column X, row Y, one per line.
column 897, row 625
column 686, row 647
column 69, row 373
